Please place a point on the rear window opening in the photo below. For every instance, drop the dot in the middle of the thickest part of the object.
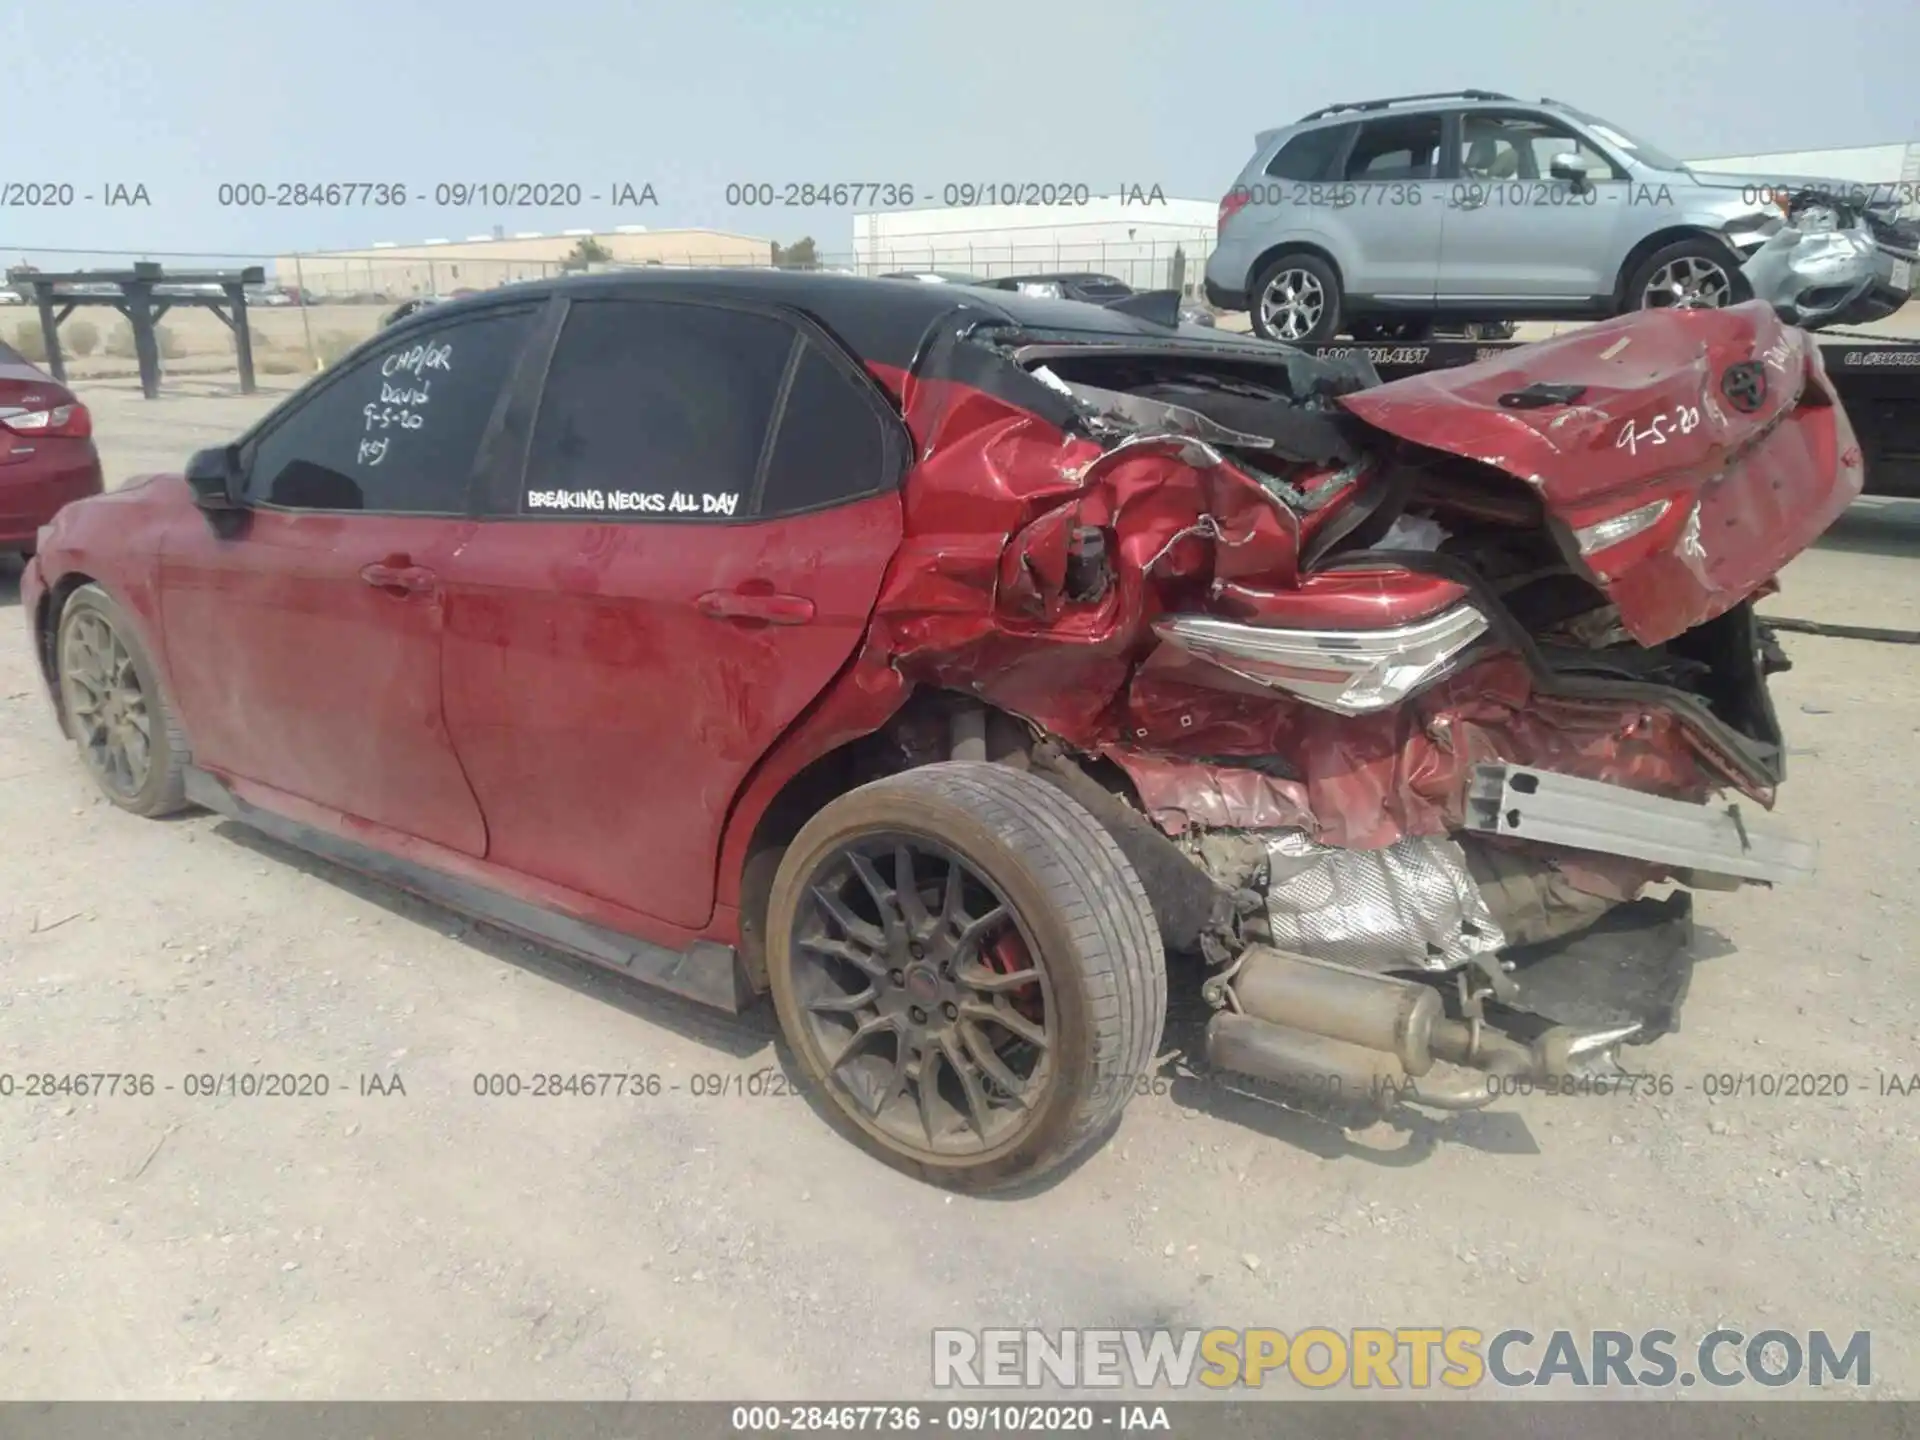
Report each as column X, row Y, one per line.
column 1310, row 154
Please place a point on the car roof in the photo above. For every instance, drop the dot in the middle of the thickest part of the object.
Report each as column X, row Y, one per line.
column 882, row 321
column 1362, row 110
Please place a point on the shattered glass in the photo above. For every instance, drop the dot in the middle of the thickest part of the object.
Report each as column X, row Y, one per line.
column 1412, row 905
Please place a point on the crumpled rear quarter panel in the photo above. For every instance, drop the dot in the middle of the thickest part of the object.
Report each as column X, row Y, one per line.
column 975, row 602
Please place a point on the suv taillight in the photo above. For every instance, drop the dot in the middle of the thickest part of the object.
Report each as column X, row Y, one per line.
column 1231, row 204
column 69, row 422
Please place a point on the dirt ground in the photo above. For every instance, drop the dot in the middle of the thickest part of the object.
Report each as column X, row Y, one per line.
column 434, row 1244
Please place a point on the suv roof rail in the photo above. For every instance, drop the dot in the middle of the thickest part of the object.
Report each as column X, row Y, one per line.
column 1327, row 110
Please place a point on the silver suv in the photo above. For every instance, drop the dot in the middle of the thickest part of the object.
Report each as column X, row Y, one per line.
column 1376, row 218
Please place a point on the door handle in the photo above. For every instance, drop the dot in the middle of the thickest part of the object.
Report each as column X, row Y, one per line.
column 399, row 576
column 1458, row 204
column 771, row 608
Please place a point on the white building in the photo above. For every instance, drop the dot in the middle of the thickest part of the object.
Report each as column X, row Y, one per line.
column 1152, row 243
column 1882, row 172
column 1896, row 168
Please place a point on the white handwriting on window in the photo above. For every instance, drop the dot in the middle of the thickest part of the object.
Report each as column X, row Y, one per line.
column 417, row 360
column 386, row 417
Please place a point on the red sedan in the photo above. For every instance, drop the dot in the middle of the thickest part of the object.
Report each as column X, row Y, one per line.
column 46, row 451
column 935, row 660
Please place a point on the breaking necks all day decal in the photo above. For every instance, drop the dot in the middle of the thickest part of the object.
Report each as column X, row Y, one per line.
column 629, row 502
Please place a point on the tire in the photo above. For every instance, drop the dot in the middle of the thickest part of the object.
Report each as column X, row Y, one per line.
column 1076, row 907
column 1307, row 275
column 1697, row 254
column 91, row 624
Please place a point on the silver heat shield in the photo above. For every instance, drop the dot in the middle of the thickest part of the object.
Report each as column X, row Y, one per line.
column 1412, row 906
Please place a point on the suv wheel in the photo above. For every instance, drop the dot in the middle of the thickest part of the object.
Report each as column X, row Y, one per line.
column 967, row 968
column 1689, row 274
column 1296, row 299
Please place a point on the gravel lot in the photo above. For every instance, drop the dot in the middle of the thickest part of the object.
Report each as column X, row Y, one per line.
column 433, row 1244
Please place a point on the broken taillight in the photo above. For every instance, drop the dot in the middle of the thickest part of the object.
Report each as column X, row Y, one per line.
column 70, row 421
column 1603, row 534
column 1351, row 672
column 1231, row 204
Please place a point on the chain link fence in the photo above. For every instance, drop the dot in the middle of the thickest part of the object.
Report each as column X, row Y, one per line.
column 373, row 279
column 314, row 307
column 362, row 278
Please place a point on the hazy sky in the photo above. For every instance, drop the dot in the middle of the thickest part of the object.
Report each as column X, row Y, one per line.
column 692, row 95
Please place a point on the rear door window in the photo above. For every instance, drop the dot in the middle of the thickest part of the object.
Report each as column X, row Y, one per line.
column 396, row 431
column 1405, row 147
column 683, row 411
column 656, row 411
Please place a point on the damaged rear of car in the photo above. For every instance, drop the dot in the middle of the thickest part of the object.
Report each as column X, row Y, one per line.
column 1417, row 708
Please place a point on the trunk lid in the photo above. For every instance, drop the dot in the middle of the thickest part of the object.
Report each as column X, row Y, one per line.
column 1694, row 453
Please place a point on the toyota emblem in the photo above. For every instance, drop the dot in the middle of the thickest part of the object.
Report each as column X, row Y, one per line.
column 1745, row 386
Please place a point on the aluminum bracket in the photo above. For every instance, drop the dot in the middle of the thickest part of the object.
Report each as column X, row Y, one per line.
column 1720, row 838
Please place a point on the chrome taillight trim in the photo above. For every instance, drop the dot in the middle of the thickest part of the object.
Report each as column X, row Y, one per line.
column 1350, row 672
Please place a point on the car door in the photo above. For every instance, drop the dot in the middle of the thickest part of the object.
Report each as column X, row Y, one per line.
column 1514, row 232
column 687, row 557
column 1388, row 208
column 304, row 636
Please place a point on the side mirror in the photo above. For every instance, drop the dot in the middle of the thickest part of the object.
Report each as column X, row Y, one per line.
column 1569, row 166
column 214, row 475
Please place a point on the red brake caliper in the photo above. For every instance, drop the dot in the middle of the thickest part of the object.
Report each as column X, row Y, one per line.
column 1007, row 955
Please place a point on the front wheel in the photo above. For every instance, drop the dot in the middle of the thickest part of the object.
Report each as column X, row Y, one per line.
column 110, row 697
column 968, row 969
column 1296, row 299
column 1696, row 274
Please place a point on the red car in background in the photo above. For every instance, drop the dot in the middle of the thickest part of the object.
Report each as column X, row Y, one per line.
column 938, row 660
column 46, row 451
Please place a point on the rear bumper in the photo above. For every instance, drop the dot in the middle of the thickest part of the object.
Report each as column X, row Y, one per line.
column 33, row 489
column 1222, row 298
column 1226, row 277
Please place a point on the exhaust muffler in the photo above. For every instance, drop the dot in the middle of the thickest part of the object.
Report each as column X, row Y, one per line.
column 1374, row 1012
column 1316, row 1065
column 1328, row 1029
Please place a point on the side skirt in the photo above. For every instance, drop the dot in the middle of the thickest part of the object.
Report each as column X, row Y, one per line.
column 706, row 972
